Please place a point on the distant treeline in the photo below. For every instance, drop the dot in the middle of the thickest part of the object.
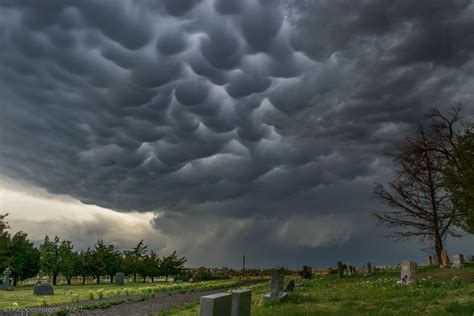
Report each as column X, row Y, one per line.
column 56, row 257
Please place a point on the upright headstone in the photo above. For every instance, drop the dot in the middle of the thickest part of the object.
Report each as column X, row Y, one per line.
column 290, row 286
column 368, row 269
column 43, row 289
column 348, row 269
column 120, row 278
column 435, row 260
column 444, row 258
column 276, row 286
column 241, row 302
column 6, row 284
column 430, row 260
column 470, row 259
column 458, row 261
column 408, row 272
column 340, row 269
column 219, row 304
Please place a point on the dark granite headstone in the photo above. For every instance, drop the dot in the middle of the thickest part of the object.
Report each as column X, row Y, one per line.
column 340, row 269
column 219, row 304
column 43, row 289
column 291, row 286
column 241, row 302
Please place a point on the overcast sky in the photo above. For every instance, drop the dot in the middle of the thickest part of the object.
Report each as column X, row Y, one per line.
column 222, row 127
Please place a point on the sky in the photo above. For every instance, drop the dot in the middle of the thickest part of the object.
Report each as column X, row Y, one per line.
column 222, row 127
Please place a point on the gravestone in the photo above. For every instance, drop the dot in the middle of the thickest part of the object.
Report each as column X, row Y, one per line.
column 219, row 304
column 120, row 278
column 276, row 287
column 470, row 259
column 408, row 272
column 241, row 302
column 368, row 269
column 290, row 287
column 458, row 261
column 340, row 269
column 307, row 273
column 444, row 258
column 43, row 289
column 430, row 260
column 435, row 260
column 348, row 269
column 6, row 283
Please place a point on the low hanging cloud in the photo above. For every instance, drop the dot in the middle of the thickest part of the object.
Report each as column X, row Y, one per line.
column 267, row 119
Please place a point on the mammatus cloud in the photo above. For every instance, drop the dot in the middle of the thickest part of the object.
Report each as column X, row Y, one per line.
column 269, row 116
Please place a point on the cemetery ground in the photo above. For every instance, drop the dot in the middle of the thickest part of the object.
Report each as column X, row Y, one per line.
column 22, row 296
column 440, row 291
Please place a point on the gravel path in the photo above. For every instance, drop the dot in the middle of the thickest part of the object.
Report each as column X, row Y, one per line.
column 158, row 303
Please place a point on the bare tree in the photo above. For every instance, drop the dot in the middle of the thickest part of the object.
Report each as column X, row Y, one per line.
column 420, row 206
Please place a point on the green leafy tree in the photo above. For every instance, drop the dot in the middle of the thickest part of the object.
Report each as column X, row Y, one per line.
column 134, row 258
column 89, row 267
column 50, row 257
column 4, row 241
column 106, row 260
column 67, row 260
column 459, row 179
column 150, row 266
column 172, row 265
column 24, row 257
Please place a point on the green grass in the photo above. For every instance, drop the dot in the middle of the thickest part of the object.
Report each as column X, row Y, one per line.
column 22, row 296
column 439, row 292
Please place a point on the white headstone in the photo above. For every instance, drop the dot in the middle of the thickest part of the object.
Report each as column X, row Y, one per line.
column 408, row 272
column 458, row 261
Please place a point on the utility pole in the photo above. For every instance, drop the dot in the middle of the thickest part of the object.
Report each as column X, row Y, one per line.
column 243, row 267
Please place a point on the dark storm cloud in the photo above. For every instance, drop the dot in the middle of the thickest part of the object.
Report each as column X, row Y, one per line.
column 264, row 115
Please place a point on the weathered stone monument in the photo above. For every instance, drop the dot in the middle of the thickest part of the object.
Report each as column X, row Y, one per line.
column 219, row 304
column 368, row 269
column 43, row 289
column 408, row 272
column 458, row 261
column 6, row 282
column 120, row 278
column 241, row 302
column 276, row 287
column 444, row 258
column 340, row 269
column 430, row 260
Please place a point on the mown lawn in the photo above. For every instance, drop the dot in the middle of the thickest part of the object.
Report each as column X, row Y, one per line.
column 22, row 296
column 439, row 292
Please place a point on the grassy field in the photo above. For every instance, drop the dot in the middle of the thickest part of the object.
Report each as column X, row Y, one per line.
column 22, row 296
column 438, row 292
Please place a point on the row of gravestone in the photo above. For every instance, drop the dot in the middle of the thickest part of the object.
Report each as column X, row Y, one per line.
column 349, row 270
column 457, row 262
column 238, row 303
